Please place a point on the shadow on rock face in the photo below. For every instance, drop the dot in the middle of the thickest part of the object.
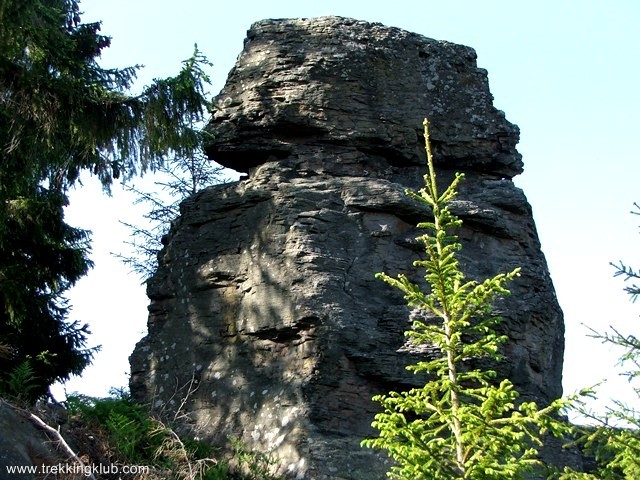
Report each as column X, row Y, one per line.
column 265, row 297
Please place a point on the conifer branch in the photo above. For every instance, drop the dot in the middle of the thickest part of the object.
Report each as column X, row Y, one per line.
column 466, row 425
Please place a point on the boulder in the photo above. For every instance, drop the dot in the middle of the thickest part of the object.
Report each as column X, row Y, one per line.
column 25, row 449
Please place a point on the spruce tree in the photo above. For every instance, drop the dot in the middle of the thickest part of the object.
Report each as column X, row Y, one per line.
column 62, row 114
column 464, row 423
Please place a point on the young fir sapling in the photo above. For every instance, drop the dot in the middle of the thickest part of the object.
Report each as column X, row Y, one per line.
column 464, row 423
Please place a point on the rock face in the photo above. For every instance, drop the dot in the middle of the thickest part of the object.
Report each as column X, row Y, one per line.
column 25, row 446
column 265, row 306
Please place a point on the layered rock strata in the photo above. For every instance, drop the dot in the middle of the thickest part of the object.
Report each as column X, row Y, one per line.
column 265, row 314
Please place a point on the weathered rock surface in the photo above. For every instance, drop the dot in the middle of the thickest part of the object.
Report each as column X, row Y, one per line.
column 265, row 304
column 24, row 446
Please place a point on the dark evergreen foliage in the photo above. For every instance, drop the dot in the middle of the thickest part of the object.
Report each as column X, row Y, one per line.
column 61, row 114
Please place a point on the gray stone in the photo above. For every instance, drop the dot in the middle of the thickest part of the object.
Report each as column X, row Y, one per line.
column 265, row 311
column 23, row 445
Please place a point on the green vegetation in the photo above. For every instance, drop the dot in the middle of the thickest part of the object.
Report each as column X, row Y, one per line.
column 20, row 382
column 613, row 438
column 464, row 423
column 129, row 434
column 62, row 114
column 180, row 179
column 254, row 465
column 132, row 432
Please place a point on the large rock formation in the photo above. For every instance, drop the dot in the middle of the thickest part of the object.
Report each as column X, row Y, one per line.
column 265, row 306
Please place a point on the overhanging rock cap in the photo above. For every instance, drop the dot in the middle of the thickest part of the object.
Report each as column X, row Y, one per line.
column 333, row 81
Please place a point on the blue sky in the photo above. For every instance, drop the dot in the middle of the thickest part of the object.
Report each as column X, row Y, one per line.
column 566, row 72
